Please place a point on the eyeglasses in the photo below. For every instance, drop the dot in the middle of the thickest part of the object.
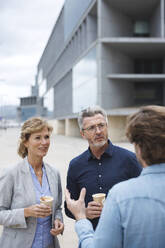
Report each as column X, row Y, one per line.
column 93, row 128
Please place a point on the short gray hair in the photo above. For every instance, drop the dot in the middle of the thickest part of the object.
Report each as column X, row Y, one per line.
column 89, row 112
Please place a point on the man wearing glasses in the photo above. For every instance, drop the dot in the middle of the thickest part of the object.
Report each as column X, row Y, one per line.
column 101, row 166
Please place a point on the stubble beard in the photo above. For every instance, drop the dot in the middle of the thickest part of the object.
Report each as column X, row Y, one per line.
column 99, row 144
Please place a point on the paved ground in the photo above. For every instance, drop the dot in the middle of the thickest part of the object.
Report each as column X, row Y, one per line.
column 61, row 151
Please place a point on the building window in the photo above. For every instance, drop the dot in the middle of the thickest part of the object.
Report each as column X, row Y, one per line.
column 84, row 84
column 148, row 93
column 42, row 87
column 49, row 101
column 148, row 66
column 141, row 29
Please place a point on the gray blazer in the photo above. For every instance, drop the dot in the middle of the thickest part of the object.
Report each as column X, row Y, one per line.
column 16, row 193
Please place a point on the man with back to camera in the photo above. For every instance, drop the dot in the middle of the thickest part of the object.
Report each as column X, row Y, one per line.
column 101, row 166
column 134, row 211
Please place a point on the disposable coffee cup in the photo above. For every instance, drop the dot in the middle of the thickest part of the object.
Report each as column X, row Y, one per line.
column 99, row 198
column 47, row 200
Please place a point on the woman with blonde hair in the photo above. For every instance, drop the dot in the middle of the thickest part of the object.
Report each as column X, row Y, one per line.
column 26, row 222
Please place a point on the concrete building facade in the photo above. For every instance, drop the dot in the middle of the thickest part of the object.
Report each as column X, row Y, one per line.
column 109, row 53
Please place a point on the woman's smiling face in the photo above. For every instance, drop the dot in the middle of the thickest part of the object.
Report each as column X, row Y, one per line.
column 38, row 143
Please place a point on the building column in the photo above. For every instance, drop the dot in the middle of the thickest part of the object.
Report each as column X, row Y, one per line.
column 116, row 128
column 58, row 126
column 72, row 128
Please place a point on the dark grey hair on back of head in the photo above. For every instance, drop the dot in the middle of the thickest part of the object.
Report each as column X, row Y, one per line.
column 89, row 112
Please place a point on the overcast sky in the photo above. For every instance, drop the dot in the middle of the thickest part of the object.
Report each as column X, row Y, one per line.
column 25, row 26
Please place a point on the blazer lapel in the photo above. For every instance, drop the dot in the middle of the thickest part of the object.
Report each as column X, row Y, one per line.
column 51, row 180
column 28, row 182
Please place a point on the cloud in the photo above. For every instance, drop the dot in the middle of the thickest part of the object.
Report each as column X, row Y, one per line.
column 25, row 28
